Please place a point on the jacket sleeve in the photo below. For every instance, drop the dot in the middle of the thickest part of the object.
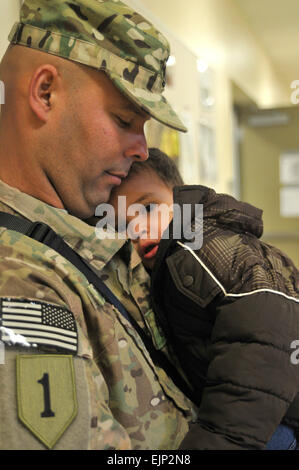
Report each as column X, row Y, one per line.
column 251, row 380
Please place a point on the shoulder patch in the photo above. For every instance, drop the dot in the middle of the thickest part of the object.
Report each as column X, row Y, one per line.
column 47, row 397
column 30, row 323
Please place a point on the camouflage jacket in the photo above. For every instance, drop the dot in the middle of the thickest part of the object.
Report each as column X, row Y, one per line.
column 233, row 316
column 99, row 389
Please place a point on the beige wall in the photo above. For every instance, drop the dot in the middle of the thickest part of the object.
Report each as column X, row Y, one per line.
column 260, row 152
column 9, row 10
column 215, row 31
column 221, row 36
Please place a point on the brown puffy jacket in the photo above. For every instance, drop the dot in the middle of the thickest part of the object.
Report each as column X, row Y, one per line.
column 231, row 309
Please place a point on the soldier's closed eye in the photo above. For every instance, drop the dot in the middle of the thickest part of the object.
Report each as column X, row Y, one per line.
column 123, row 123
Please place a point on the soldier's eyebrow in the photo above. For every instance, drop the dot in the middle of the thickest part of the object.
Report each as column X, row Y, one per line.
column 145, row 197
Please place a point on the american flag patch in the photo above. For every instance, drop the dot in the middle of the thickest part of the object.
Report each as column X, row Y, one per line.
column 32, row 323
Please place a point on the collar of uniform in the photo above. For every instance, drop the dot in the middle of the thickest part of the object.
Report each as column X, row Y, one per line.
column 78, row 234
column 135, row 259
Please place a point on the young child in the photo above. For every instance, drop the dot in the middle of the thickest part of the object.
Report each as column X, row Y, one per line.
column 230, row 308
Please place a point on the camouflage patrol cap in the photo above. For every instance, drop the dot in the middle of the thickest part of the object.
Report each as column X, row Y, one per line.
column 106, row 35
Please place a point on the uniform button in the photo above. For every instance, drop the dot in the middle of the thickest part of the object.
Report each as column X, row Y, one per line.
column 155, row 401
column 188, row 281
column 122, row 343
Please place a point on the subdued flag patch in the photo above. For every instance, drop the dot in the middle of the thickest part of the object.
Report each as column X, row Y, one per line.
column 32, row 323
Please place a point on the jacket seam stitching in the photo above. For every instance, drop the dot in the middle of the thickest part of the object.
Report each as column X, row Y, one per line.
column 227, row 294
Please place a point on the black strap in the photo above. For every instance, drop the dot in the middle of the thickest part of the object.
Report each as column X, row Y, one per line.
column 44, row 234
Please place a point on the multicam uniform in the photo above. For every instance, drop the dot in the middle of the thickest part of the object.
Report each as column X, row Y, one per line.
column 102, row 391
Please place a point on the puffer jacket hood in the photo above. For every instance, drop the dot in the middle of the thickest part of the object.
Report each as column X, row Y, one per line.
column 224, row 209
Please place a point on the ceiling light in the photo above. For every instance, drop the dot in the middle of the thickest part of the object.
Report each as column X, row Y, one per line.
column 202, row 66
column 171, row 61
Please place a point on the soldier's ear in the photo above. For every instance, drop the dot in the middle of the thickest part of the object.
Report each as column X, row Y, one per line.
column 42, row 91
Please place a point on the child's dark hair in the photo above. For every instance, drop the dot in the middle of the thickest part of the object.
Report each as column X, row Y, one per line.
column 162, row 165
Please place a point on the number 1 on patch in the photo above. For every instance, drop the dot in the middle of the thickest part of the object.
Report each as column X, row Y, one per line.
column 44, row 381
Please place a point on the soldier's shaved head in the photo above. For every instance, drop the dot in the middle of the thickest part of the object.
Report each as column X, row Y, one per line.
column 19, row 63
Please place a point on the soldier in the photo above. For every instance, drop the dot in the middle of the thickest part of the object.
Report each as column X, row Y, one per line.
column 81, row 77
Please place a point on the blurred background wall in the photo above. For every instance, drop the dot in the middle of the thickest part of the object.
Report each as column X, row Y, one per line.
column 9, row 10
column 233, row 64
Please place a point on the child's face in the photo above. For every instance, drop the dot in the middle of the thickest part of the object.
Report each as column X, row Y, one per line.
column 145, row 188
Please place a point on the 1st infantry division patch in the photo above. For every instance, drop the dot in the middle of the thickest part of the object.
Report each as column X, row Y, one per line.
column 46, row 391
column 31, row 323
